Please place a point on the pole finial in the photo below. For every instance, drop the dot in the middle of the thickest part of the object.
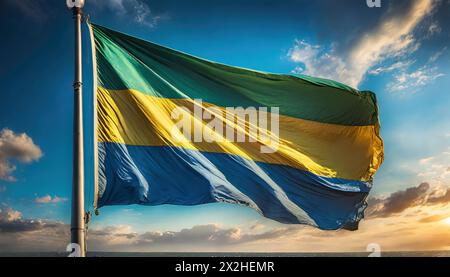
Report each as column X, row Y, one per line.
column 75, row 4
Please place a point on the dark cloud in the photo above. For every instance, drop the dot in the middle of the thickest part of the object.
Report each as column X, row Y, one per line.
column 11, row 222
column 209, row 235
column 398, row 201
column 20, row 226
column 442, row 199
column 18, row 234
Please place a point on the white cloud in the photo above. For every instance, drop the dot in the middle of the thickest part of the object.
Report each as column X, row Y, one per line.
column 437, row 55
column 18, row 147
column 415, row 79
column 49, row 200
column 434, row 29
column 435, row 168
column 319, row 62
column 412, row 80
column 137, row 10
column 400, row 65
column 391, row 38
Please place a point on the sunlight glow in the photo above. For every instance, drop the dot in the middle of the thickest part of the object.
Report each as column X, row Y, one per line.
column 447, row 220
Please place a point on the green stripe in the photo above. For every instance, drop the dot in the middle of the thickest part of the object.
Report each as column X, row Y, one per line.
column 125, row 62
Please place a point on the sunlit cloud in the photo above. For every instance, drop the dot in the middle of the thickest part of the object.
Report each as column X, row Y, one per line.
column 8, row 215
column 426, row 160
column 435, row 218
column 15, row 147
column 391, row 38
column 435, row 168
column 50, row 200
column 19, row 234
column 398, row 201
column 413, row 219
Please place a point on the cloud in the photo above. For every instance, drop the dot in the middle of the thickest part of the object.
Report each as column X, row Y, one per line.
column 426, row 160
column 210, row 233
column 201, row 236
column 437, row 55
column 18, row 234
column 18, row 147
column 422, row 229
column 415, row 79
column 317, row 61
column 136, row 10
column 434, row 28
column 257, row 226
column 7, row 214
column 49, row 200
column 441, row 199
column 435, row 168
column 11, row 221
column 398, row 201
column 400, row 65
column 434, row 218
column 391, row 38
column 412, row 80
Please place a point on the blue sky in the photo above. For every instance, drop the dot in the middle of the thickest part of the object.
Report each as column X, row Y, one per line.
column 400, row 51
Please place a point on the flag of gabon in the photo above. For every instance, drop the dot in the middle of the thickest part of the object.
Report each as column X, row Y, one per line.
column 328, row 141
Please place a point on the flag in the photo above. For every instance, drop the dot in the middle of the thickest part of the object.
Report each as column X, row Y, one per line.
column 172, row 128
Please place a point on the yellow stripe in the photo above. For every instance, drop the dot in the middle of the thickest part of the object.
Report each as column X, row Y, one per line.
column 349, row 152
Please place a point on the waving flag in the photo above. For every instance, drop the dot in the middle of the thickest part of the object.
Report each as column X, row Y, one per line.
column 309, row 159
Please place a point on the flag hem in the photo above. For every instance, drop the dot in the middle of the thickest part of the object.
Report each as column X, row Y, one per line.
column 94, row 96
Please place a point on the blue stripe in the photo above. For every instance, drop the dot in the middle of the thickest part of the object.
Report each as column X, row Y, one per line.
column 149, row 175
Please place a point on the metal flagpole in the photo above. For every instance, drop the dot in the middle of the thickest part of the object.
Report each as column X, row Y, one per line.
column 77, row 230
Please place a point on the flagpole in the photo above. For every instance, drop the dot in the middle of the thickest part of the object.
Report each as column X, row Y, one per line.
column 77, row 230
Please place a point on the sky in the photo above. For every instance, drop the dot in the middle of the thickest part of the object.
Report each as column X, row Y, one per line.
column 400, row 51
